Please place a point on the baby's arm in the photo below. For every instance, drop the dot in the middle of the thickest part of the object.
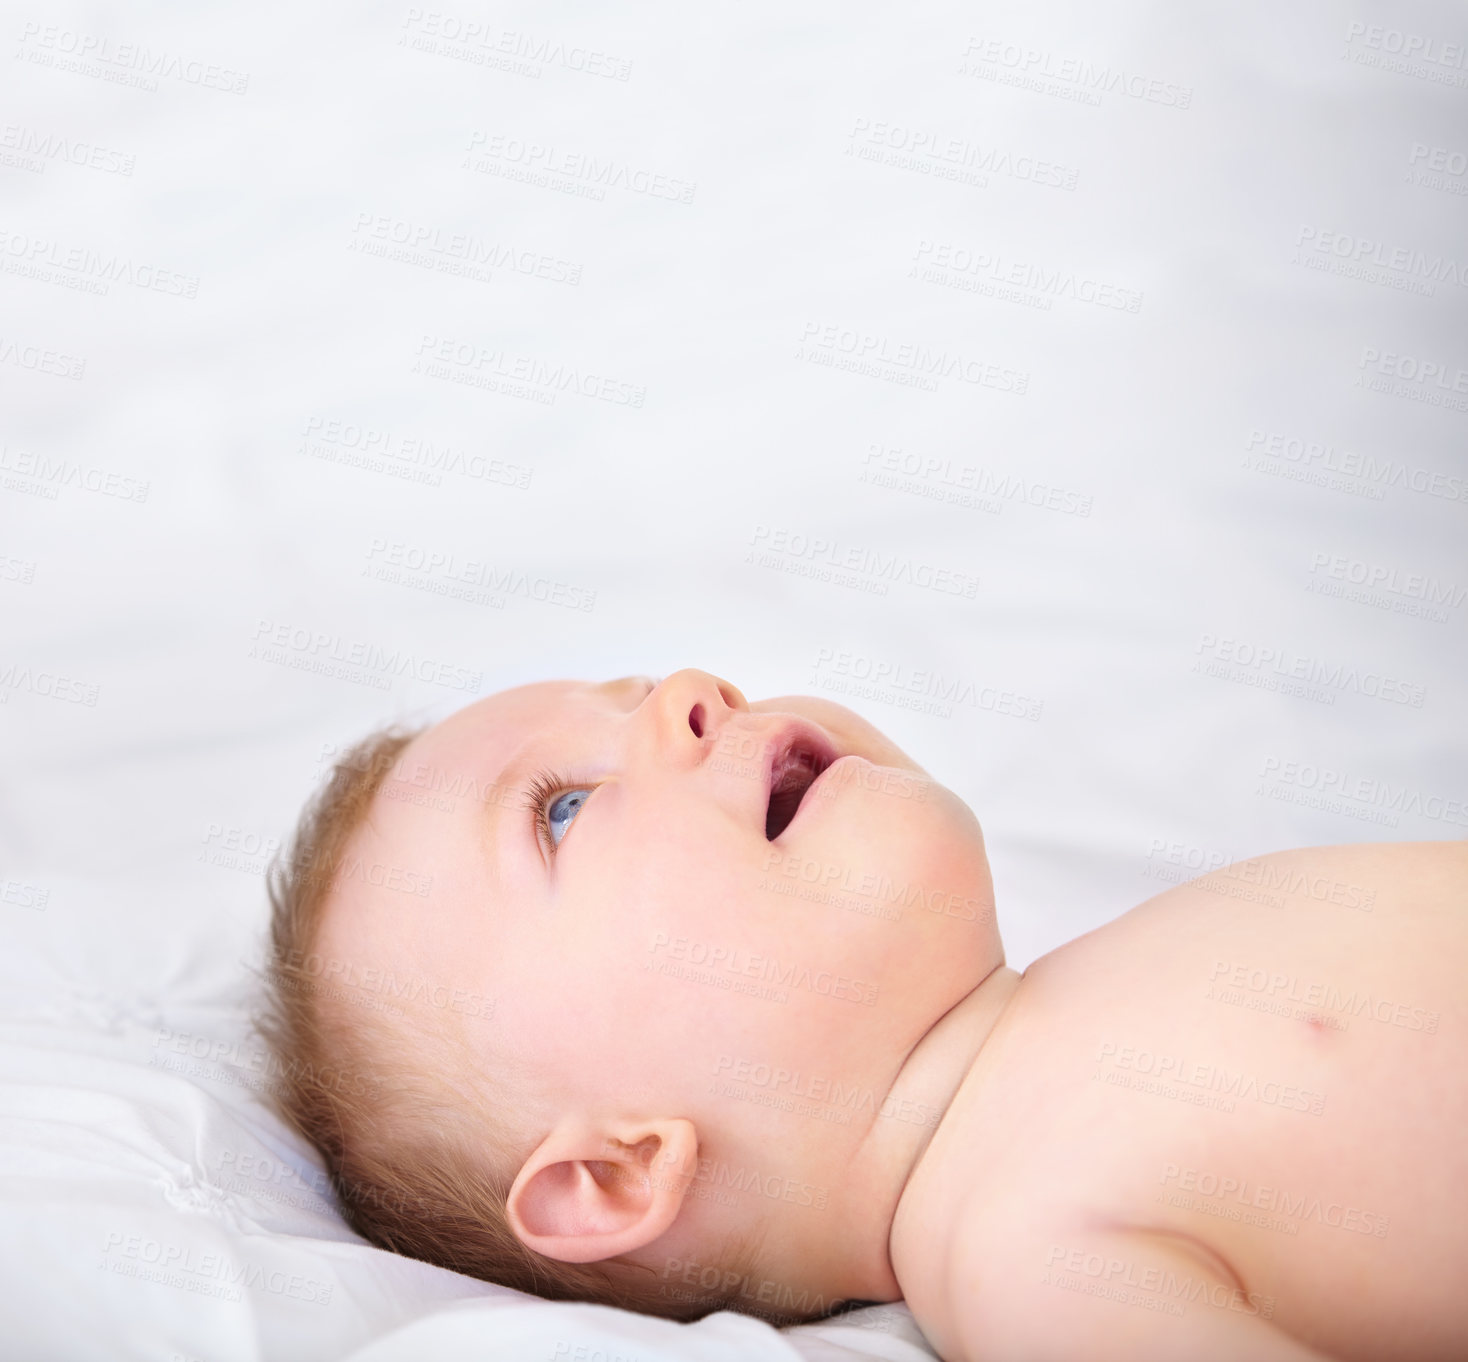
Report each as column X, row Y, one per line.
column 1122, row 1296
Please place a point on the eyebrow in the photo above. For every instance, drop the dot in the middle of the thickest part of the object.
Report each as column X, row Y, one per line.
column 508, row 781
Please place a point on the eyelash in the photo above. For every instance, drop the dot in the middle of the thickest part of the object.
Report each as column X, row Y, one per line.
column 542, row 786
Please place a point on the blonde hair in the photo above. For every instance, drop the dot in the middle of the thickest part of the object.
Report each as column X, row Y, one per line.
column 416, row 1168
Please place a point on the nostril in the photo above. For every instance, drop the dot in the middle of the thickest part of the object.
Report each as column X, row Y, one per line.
column 695, row 720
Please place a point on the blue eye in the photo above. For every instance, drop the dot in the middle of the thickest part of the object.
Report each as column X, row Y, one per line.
column 564, row 806
column 551, row 816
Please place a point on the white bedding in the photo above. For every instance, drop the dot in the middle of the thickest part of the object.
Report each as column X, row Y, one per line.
column 1186, row 531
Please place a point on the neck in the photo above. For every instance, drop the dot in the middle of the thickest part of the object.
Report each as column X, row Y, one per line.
column 930, row 1078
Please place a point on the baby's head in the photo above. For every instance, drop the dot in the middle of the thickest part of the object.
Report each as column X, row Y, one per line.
column 569, row 1002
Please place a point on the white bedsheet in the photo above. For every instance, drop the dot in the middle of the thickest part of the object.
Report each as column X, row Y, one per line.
column 1094, row 376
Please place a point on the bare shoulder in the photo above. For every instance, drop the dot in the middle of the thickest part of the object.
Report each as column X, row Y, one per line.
column 1361, row 876
column 1361, row 896
column 1448, row 858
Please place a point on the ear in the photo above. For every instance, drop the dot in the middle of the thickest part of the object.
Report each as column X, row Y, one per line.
column 593, row 1190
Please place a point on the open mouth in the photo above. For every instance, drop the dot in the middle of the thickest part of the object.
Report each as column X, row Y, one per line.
column 791, row 776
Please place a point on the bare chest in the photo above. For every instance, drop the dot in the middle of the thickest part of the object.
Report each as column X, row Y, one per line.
column 1277, row 1081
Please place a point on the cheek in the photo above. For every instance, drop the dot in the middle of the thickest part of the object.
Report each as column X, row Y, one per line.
column 703, row 947
column 664, row 896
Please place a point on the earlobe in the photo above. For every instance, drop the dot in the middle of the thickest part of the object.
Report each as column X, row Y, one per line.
column 594, row 1190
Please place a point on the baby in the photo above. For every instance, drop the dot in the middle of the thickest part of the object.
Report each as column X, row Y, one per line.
column 641, row 994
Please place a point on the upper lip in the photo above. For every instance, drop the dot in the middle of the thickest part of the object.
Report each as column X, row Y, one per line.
column 793, row 736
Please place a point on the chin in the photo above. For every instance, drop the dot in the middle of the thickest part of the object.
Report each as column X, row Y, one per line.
column 898, row 863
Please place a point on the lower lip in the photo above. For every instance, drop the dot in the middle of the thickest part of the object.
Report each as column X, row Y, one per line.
column 814, row 793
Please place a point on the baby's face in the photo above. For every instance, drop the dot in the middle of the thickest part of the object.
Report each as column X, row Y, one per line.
column 667, row 948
